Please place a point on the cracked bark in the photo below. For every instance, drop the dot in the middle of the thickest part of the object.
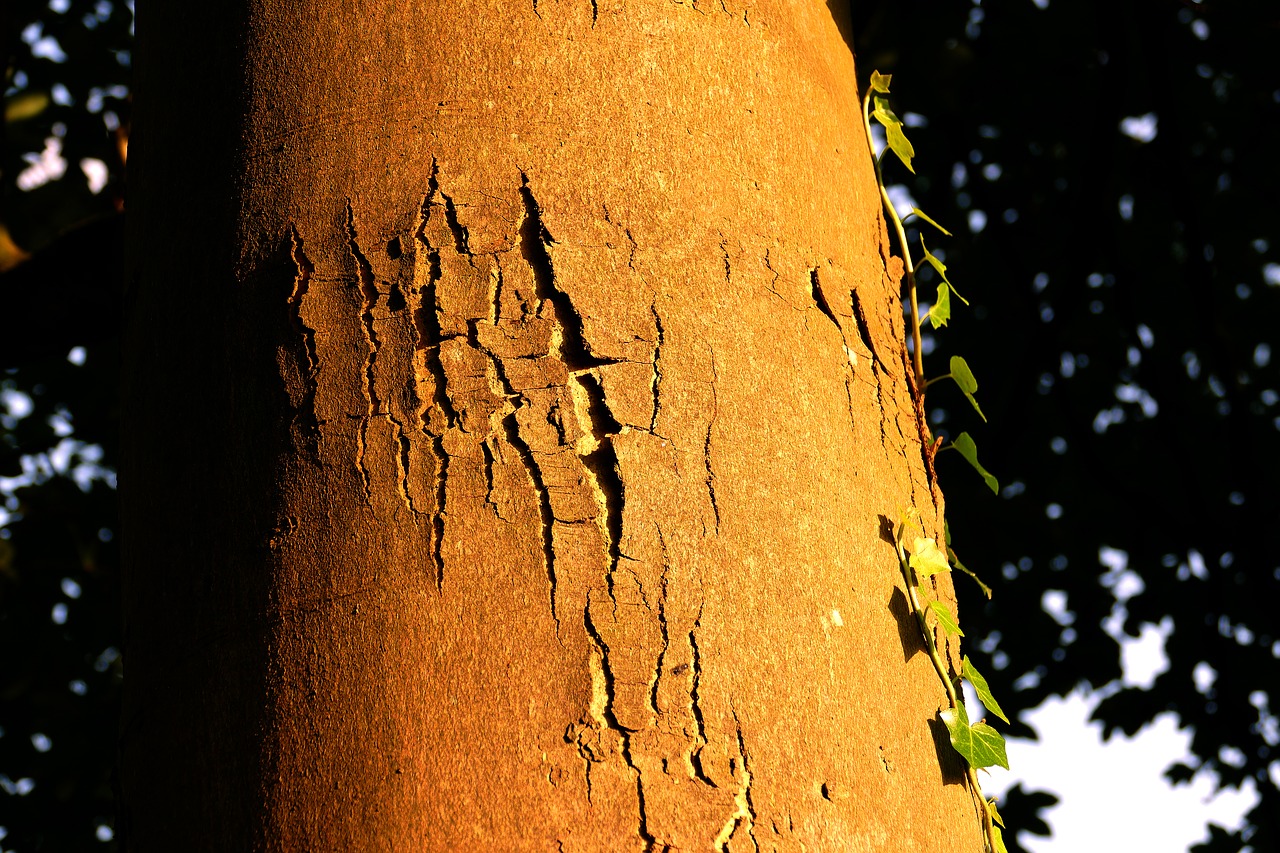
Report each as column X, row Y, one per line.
column 518, row 476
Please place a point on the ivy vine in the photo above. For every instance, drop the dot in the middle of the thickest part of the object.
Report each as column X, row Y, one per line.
column 919, row 557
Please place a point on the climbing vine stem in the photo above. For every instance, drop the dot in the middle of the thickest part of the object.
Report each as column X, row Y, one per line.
column 977, row 743
column 920, row 558
column 918, row 357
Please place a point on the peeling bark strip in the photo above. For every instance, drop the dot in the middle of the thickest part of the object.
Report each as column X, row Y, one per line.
column 744, row 814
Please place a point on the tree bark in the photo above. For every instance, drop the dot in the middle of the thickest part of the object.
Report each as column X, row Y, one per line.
column 517, row 401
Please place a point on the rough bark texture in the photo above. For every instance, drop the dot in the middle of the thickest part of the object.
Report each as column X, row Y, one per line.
column 517, row 402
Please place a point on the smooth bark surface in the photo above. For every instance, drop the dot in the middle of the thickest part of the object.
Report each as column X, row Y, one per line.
column 517, row 401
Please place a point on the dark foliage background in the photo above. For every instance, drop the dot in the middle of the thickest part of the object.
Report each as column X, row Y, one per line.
column 1120, row 328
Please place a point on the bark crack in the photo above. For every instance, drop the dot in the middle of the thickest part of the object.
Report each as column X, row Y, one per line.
column 426, row 324
column 884, row 436
column 864, row 329
column 611, row 719
column 820, row 299
column 301, row 283
column 706, row 445
column 511, row 428
column 657, row 365
column 662, row 624
column 368, row 299
column 695, row 708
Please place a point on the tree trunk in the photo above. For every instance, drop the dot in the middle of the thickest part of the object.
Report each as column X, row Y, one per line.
column 517, row 401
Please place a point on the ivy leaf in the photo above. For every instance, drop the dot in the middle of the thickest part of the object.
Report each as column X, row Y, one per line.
column 946, row 620
column 934, row 261
column 995, row 814
column 969, row 451
column 963, row 377
column 898, row 142
column 980, row 745
column 1000, row 848
column 920, row 213
column 880, row 82
column 883, row 113
column 926, row 559
column 940, row 311
column 970, row 672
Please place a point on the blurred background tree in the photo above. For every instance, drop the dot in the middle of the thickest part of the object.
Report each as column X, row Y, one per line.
column 1108, row 169
column 62, row 155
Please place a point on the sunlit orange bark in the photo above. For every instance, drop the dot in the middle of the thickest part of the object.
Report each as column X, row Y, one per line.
column 517, row 400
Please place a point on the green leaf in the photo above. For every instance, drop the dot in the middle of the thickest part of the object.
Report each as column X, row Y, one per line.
column 963, row 377
column 900, row 145
column 926, row 559
column 934, row 261
column 970, row 672
column 940, row 311
column 1000, row 848
column 980, row 745
column 920, row 213
column 969, row 451
column 995, row 814
column 897, row 140
column 880, row 82
column 946, row 620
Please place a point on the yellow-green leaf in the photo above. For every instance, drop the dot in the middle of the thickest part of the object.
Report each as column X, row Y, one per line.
column 979, row 744
column 926, row 559
column 970, row 672
column 880, row 82
column 1000, row 848
column 969, row 450
column 940, row 311
column 900, row 145
column 963, row 376
column 920, row 213
column 945, row 619
column 995, row 815
column 934, row 261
